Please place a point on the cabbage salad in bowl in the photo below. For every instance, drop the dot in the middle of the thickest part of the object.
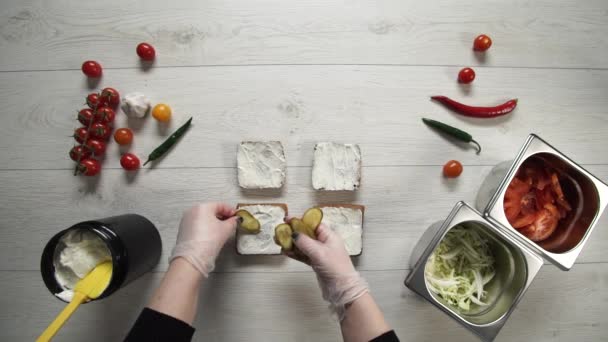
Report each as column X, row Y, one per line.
column 460, row 267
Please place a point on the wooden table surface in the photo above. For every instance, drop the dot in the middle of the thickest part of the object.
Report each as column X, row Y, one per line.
column 356, row 71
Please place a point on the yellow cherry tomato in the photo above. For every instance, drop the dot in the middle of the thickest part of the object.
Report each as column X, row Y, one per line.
column 161, row 112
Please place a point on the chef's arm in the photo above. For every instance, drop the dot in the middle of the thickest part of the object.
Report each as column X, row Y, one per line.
column 203, row 231
column 173, row 307
column 363, row 321
column 177, row 295
column 343, row 287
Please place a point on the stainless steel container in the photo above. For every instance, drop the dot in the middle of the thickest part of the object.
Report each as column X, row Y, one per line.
column 518, row 259
column 591, row 199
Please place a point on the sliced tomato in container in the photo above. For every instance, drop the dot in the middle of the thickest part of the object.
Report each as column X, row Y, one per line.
column 513, row 196
column 528, row 203
column 544, row 225
column 524, row 220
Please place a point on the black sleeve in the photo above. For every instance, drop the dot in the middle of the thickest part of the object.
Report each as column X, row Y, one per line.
column 386, row 337
column 155, row 326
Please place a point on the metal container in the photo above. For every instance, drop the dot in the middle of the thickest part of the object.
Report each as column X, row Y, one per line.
column 589, row 193
column 518, row 259
column 516, row 266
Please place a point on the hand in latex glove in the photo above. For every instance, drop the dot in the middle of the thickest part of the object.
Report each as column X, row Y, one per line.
column 203, row 231
column 340, row 283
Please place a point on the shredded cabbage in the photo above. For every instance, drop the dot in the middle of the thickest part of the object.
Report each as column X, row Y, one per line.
column 460, row 267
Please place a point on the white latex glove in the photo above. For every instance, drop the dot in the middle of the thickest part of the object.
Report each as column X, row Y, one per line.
column 203, row 231
column 340, row 283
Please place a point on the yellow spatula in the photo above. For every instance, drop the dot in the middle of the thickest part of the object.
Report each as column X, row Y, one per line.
column 90, row 287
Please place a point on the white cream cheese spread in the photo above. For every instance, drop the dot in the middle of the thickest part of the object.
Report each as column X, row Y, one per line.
column 136, row 105
column 336, row 166
column 269, row 216
column 348, row 223
column 261, row 164
column 76, row 254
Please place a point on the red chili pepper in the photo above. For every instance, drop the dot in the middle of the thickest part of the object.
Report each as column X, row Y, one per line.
column 477, row 112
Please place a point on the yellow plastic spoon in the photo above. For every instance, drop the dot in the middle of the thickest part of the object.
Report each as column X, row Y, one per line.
column 89, row 287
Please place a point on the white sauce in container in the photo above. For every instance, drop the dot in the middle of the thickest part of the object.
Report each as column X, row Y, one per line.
column 76, row 254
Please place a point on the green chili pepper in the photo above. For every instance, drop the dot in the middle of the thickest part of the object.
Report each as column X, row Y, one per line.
column 167, row 144
column 452, row 131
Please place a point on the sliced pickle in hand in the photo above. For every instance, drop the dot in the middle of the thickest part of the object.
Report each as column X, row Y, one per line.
column 312, row 218
column 282, row 236
column 249, row 224
column 299, row 226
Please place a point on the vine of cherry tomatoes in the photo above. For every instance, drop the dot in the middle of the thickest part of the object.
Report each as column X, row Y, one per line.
column 97, row 122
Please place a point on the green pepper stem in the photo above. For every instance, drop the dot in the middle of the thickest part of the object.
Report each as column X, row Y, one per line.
column 147, row 161
column 473, row 141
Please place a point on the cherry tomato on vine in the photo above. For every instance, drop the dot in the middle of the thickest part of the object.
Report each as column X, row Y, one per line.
column 80, row 134
column 161, row 112
column 129, row 162
column 93, row 100
column 79, row 153
column 89, row 167
column 146, row 51
column 466, row 75
column 482, row 43
column 100, row 131
column 110, row 97
column 85, row 116
column 452, row 169
column 105, row 115
column 123, row 136
column 91, row 69
column 97, row 147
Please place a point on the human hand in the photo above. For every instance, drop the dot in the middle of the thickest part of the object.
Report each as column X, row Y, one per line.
column 203, row 231
column 340, row 283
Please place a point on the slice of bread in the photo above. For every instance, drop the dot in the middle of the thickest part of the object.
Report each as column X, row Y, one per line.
column 270, row 215
column 347, row 221
column 261, row 165
column 336, row 167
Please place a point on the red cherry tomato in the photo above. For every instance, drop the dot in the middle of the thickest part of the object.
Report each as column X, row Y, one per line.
column 452, row 169
column 85, row 116
column 91, row 69
column 482, row 43
column 129, row 162
column 110, row 97
column 100, row 131
column 89, row 167
column 79, row 153
column 97, row 147
column 105, row 115
column 466, row 75
column 123, row 136
column 146, row 52
column 80, row 134
column 93, row 100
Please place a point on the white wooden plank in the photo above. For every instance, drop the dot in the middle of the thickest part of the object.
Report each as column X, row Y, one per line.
column 288, row 306
column 401, row 202
column 377, row 107
column 38, row 34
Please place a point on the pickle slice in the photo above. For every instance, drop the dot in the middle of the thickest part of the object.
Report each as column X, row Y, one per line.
column 299, row 226
column 282, row 236
column 312, row 218
column 249, row 224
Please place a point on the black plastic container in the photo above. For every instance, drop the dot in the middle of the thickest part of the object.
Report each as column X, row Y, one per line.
column 133, row 241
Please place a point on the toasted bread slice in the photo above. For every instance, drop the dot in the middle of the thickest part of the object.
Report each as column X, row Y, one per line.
column 349, row 229
column 263, row 242
column 261, row 165
column 326, row 155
